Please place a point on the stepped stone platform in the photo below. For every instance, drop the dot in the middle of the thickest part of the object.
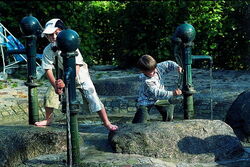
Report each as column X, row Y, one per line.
column 118, row 91
column 218, row 93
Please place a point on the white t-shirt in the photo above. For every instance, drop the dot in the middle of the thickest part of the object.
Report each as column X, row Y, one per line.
column 82, row 79
column 49, row 55
column 152, row 88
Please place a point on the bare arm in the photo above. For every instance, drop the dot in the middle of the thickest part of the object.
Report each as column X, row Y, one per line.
column 155, row 91
column 77, row 69
column 57, row 84
column 51, row 77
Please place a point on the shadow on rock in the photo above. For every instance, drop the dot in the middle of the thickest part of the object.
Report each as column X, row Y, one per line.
column 200, row 141
column 221, row 146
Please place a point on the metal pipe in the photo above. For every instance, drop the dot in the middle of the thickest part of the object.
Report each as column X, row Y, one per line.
column 206, row 57
column 182, row 40
column 203, row 57
column 17, row 51
column 69, row 78
column 199, row 57
column 68, row 41
column 30, row 27
column 183, row 37
column 31, row 78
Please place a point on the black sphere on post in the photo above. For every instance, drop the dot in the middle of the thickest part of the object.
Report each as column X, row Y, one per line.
column 186, row 32
column 29, row 25
column 68, row 41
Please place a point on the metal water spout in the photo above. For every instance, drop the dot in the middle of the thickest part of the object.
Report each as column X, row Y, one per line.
column 31, row 29
column 210, row 59
column 183, row 42
column 68, row 42
column 203, row 57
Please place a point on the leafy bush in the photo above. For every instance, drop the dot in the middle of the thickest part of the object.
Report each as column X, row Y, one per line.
column 119, row 32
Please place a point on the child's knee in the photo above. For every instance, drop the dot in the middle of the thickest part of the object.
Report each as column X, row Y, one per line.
column 141, row 116
column 167, row 112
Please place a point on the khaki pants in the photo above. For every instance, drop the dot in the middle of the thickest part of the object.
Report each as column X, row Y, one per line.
column 51, row 99
column 86, row 87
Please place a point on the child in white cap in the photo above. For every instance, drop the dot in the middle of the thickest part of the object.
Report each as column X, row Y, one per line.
column 52, row 29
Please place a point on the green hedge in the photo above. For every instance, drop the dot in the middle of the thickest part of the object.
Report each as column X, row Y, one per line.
column 119, row 32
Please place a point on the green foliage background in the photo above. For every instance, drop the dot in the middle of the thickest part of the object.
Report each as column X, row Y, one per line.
column 119, row 32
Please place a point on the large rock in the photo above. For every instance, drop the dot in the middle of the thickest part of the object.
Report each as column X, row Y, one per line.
column 182, row 141
column 238, row 116
column 19, row 143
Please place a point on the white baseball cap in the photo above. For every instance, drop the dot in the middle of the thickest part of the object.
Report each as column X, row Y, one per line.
column 52, row 25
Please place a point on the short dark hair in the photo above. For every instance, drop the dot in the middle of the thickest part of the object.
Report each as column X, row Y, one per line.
column 60, row 25
column 146, row 63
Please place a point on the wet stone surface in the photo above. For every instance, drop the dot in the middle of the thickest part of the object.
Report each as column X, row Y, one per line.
column 196, row 140
column 225, row 87
column 118, row 91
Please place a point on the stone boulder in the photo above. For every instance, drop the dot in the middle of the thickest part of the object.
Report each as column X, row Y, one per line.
column 20, row 143
column 238, row 116
column 183, row 141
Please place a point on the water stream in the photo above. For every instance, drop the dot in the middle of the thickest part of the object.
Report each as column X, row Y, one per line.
column 211, row 91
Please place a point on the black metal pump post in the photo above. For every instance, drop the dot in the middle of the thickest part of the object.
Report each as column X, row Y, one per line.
column 31, row 28
column 68, row 41
column 183, row 42
column 183, row 38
